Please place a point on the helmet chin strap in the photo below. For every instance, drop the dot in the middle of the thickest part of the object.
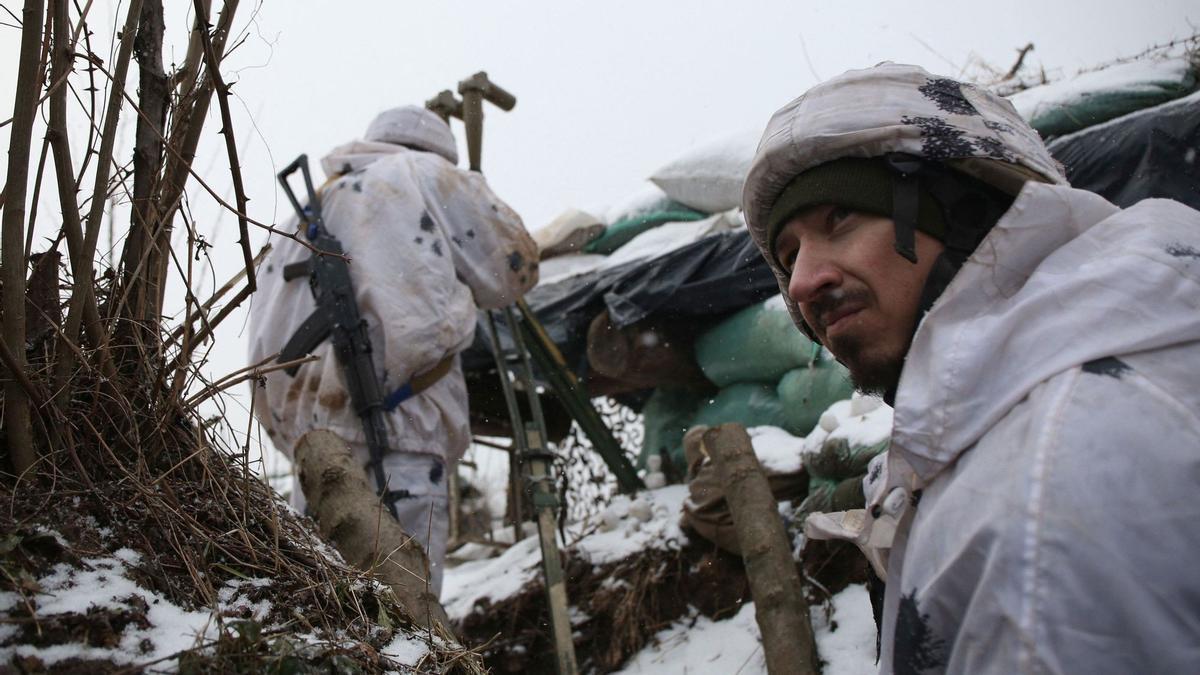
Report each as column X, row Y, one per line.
column 970, row 208
column 906, row 199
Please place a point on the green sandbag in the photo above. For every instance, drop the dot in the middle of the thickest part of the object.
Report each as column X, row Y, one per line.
column 619, row 233
column 808, row 392
column 667, row 415
column 826, row 496
column 838, row 461
column 751, row 404
column 757, row 344
column 1112, row 93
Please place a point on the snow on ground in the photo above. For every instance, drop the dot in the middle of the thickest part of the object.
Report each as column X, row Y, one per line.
column 700, row 645
column 649, row 520
column 105, row 583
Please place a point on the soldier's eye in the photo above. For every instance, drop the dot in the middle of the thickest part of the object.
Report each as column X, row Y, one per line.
column 836, row 215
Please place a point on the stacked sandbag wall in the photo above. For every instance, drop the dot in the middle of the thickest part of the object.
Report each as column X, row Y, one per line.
column 767, row 373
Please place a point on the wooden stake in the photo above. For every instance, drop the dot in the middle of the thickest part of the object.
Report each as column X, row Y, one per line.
column 780, row 607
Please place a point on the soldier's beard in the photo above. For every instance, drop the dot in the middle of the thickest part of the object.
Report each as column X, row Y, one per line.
column 871, row 373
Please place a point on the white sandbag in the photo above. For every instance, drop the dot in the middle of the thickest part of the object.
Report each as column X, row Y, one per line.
column 568, row 233
column 710, row 177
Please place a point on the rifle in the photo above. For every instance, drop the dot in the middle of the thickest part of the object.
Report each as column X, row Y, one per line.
column 336, row 316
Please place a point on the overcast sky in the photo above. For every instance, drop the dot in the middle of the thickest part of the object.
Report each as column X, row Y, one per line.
column 606, row 91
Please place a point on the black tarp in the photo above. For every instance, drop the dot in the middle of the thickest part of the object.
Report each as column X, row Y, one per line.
column 1150, row 153
column 707, row 278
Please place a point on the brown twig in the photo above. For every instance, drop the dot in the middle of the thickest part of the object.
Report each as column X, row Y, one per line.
column 200, row 312
column 248, row 373
column 1012, row 72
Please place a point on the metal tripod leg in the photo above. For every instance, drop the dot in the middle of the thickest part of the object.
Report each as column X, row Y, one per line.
column 529, row 439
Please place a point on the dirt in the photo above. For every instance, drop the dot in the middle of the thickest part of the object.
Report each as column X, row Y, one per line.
column 626, row 603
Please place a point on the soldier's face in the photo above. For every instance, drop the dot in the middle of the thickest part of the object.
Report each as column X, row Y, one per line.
column 859, row 296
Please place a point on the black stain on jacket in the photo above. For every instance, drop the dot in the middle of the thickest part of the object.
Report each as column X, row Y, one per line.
column 426, row 222
column 917, row 649
column 1183, row 251
column 470, row 234
column 437, row 247
column 515, row 260
column 947, row 96
column 358, row 186
column 1110, row 366
column 435, row 474
column 457, row 242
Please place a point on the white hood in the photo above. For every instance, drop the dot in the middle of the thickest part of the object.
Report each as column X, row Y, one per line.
column 1047, row 268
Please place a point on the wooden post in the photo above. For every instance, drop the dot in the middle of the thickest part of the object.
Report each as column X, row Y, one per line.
column 350, row 515
column 780, row 607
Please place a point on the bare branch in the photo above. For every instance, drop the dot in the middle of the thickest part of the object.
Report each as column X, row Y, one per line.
column 1012, row 72
column 235, row 169
column 248, row 373
column 201, row 311
column 12, row 249
column 82, row 305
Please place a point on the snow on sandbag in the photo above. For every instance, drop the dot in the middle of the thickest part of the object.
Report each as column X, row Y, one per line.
column 751, row 404
column 566, row 266
column 1090, row 98
column 758, row 344
column 568, row 233
column 667, row 237
column 648, row 198
column 710, row 177
column 807, row 392
column 622, row 231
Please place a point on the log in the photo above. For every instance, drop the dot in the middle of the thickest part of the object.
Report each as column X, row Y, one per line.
column 780, row 608
column 351, row 516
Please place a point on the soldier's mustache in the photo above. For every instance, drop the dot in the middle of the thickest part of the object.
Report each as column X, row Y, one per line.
column 831, row 301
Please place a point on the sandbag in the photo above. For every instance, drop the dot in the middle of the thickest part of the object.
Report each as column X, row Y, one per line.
column 808, row 391
column 751, row 404
column 667, row 415
column 710, row 177
column 568, row 233
column 619, row 233
column 838, row 460
column 1091, row 98
column 757, row 344
column 835, row 477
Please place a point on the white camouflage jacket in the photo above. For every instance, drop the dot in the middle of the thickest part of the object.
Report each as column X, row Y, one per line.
column 428, row 243
column 1041, row 496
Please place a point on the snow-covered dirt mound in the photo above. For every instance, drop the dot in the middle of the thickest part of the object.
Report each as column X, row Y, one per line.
column 647, row 597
